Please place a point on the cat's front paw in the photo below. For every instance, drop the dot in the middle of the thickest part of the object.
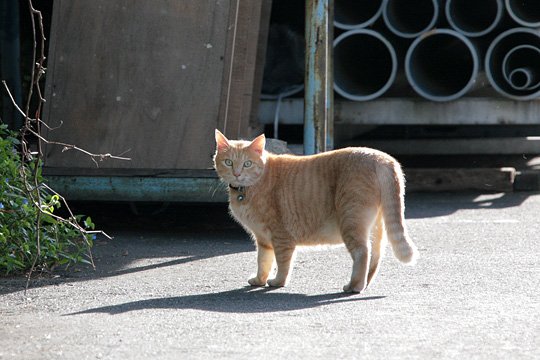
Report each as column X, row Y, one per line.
column 276, row 283
column 353, row 289
column 255, row 281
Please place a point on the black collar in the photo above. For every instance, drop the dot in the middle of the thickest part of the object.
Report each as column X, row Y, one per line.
column 240, row 190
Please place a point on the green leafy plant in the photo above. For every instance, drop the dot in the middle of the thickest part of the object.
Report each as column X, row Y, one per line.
column 32, row 235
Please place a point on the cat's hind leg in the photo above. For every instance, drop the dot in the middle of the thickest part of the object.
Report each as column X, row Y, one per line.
column 284, row 256
column 265, row 259
column 378, row 242
column 355, row 225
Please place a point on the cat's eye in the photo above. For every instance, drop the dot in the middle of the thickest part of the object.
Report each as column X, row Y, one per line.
column 228, row 162
column 248, row 163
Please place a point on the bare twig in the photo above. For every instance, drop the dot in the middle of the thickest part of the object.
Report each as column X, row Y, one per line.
column 27, row 127
column 7, row 211
column 64, row 201
column 14, row 102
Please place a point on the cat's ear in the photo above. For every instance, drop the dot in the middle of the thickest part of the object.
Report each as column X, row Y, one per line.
column 222, row 143
column 257, row 145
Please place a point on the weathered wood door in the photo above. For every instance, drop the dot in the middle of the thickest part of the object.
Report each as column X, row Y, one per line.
column 150, row 80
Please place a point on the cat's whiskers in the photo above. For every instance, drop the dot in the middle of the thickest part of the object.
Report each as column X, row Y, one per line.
column 218, row 186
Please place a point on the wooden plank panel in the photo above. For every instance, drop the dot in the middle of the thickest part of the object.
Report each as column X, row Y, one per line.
column 493, row 180
column 243, row 77
column 448, row 146
column 137, row 75
column 264, row 28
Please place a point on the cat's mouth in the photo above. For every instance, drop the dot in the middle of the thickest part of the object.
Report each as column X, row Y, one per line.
column 234, row 181
column 240, row 182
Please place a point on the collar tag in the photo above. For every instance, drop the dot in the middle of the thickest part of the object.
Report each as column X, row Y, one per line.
column 241, row 190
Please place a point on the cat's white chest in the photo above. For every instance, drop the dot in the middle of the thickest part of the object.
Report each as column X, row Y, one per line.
column 245, row 216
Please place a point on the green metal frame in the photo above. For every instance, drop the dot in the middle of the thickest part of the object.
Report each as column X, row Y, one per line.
column 136, row 188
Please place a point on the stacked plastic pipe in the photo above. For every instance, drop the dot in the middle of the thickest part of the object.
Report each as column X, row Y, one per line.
column 441, row 46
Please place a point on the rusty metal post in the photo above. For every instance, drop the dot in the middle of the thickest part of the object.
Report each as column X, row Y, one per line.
column 319, row 96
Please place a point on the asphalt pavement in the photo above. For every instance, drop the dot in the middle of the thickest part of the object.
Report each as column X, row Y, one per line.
column 172, row 284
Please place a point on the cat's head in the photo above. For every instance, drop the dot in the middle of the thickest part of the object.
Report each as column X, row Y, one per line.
column 238, row 162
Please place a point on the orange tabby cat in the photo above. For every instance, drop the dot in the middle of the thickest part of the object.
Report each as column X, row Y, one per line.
column 350, row 195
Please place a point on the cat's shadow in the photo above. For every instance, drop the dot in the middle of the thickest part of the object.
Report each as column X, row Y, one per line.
column 244, row 300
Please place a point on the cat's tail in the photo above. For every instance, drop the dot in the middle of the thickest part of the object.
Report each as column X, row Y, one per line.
column 392, row 184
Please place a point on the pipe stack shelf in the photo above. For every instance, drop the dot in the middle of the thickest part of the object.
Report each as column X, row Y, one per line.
column 430, row 62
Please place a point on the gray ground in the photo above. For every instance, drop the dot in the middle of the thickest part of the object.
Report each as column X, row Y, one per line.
column 173, row 286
